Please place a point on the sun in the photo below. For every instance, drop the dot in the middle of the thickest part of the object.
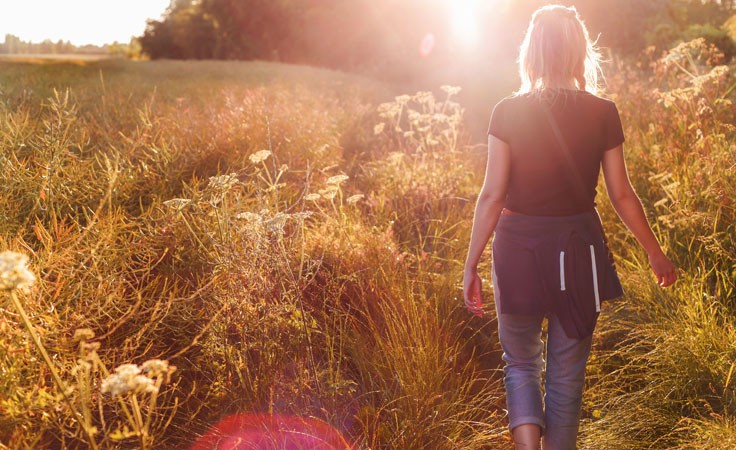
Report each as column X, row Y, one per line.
column 464, row 21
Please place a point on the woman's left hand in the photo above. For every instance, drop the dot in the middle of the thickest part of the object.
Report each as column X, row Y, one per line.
column 472, row 292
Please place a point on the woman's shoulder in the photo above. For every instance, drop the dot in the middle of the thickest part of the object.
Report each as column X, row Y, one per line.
column 553, row 97
column 514, row 98
column 599, row 99
column 521, row 103
column 511, row 102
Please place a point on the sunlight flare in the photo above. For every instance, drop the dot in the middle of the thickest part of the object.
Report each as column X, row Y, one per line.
column 464, row 16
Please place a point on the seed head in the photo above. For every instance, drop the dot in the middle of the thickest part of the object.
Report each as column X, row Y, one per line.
column 337, row 179
column 249, row 216
column 223, row 183
column 259, row 156
column 451, row 90
column 354, row 198
column 14, row 273
column 157, row 367
column 127, row 378
column 177, row 204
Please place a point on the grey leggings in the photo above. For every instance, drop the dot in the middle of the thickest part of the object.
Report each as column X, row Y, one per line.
column 559, row 412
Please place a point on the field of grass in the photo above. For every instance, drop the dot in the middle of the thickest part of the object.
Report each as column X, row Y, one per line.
column 291, row 240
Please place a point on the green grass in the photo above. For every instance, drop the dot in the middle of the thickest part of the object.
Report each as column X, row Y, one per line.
column 275, row 284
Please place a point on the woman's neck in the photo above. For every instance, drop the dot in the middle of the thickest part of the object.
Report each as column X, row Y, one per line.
column 567, row 84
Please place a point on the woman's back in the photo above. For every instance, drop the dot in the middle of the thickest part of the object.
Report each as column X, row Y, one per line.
column 549, row 177
column 546, row 147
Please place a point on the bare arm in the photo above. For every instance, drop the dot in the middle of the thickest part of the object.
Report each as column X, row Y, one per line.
column 487, row 211
column 629, row 209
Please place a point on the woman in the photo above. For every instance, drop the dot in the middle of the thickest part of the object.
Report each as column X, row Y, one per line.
column 546, row 146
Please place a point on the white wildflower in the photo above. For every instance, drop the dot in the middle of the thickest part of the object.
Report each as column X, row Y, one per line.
column 157, row 367
column 259, row 156
column 223, row 182
column 423, row 97
column 312, row 197
column 354, row 199
column 14, row 273
column 337, row 179
column 301, row 215
column 89, row 347
column 275, row 187
column 83, row 334
column 249, row 216
column 277, row 223
column 414, row 115
column 388, row 110
column 378, row 129
column 177, row 204
column 402, row 99
column 451, row 90
column 673, row 56
column 714, row 75
column 329, row 192
column 127, row 378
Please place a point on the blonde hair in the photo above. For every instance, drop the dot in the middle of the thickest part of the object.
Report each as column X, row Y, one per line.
column 556, row 50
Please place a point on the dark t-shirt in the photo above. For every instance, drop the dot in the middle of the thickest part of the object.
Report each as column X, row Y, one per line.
column 547, row 179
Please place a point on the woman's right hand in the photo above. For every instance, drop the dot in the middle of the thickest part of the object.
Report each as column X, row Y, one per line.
column 664, row 270
column 472, row 292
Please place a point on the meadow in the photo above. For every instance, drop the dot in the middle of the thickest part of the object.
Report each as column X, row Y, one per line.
column 218, row 238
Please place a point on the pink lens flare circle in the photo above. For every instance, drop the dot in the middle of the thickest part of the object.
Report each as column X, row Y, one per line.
column 271, row 432
column 426, row 45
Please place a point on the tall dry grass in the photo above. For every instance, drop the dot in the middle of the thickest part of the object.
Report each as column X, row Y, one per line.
column 240, row 222
column 664, row 377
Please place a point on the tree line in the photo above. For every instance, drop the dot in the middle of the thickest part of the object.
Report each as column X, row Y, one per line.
column 381, row 35
column 13, row 45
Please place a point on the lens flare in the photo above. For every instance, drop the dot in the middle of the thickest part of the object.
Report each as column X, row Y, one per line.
column 464, row 16
column 426, row 45
column 271, row 432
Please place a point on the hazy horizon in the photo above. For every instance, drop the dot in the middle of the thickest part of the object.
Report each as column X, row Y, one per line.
column 81, row 22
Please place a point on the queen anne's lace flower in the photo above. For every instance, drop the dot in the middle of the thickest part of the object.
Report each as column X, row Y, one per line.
column 329, row 192
column 83, row 334
column 423, row 97
column 157, row 367
column 389, row 110
column 14, row 273
column 277, row 223
column 177, row 204
column 249, row 216
column 223, row 183
column 451, row 90
column 127, row 378
column 402, row 99
column 259, row 156
column 337, row 179
column 355, row 198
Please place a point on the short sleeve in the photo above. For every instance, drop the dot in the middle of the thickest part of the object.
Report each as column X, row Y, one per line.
column 498, row 126
column 614, row 132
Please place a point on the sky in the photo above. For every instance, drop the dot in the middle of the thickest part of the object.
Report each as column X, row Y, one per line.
column 79, row 21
